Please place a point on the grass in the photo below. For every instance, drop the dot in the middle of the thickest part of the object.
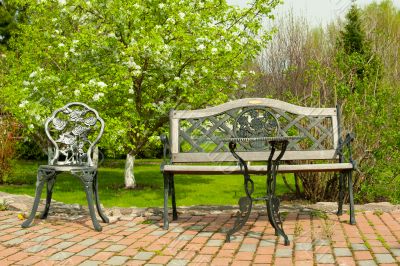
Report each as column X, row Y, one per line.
column 190, row 189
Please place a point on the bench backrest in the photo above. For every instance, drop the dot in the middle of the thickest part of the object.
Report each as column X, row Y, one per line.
column 202, row 135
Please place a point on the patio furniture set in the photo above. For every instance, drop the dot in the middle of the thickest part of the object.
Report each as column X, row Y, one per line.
column 248, row 136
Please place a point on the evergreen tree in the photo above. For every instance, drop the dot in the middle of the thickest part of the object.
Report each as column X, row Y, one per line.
column 353, row 36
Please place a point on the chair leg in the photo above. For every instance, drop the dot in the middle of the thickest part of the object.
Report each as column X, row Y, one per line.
column 341, row 194
column 50, row 185
column 96, row 197
column 87, row 177
column 42, row 177
column 172, row 187
column 351, row 198
column 166, row 188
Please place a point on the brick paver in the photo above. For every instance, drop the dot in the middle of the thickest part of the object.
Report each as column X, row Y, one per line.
column 197, row 240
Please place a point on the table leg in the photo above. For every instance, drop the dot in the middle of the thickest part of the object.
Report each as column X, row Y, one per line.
column 272, row 201
column 245, row 203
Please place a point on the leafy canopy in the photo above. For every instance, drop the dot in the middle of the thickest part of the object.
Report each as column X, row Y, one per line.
column 132, row 60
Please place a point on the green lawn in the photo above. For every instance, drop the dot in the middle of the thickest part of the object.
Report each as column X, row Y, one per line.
column 190, row 189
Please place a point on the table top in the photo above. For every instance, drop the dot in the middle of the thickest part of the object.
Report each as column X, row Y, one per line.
column 279, row 138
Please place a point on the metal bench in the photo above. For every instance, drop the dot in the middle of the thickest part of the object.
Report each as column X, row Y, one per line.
column 222, row 139
column 73, row 130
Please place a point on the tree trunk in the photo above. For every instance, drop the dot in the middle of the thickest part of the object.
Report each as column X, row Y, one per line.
column 130, row 181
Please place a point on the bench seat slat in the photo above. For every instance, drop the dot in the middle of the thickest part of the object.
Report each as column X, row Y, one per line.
column 260, row 169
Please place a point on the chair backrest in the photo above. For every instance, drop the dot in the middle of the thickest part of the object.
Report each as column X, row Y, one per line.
column 74, row 130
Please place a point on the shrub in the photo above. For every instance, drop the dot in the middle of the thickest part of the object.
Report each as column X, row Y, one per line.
column 8, row 129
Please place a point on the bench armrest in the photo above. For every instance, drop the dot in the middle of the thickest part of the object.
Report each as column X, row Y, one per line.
column 166, row 151
column 346, row 144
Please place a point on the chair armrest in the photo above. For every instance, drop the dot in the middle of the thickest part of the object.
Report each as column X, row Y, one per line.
column 166, row 151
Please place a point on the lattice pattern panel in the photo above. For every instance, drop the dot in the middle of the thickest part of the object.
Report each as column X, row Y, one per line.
column 211, row 134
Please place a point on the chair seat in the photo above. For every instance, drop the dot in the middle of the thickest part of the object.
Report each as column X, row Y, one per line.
column 66, row 168
column 256, row 169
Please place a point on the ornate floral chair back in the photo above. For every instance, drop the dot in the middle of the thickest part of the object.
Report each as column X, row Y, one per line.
column 73, row 130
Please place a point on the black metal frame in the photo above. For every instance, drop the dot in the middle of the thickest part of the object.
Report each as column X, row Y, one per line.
column 271, row 200
column 346, row 143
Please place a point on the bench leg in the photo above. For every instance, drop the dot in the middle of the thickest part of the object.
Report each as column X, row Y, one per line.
column 50, row 185
column 341, row 194
column 351, row 198
column 96, row 197
column 172, row 189
column 42, row 176
column 166, row 189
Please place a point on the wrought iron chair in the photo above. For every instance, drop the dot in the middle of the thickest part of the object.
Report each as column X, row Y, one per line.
column 73, row 130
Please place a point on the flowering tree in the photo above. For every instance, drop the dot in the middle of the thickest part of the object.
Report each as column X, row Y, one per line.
column 132, row 60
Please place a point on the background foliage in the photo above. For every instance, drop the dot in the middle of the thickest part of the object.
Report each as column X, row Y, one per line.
column 353, row 63
column 138, row 59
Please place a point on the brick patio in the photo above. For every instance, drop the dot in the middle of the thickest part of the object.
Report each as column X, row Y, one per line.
column 199, row 240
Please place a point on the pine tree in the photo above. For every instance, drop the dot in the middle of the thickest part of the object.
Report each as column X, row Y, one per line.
column 353, row 36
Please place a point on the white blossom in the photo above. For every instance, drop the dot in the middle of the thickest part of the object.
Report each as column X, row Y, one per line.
column 161, row 6
column 62, row 2
column 75, row 41
column 77, row 92
column 97, row 96
column 201, row 47
column 182, row 15
column 26, row 83
column 130, row 100
column 37, row 117
column 131, row 91
column 31, row 126
column 23, row 103
column 132, row 64
column 136, row 73
column 101, row 84
column 228, row 47
column 171, row 20
column 35, row 89
column 214, row 50
column 33, row 74
column 61, row 44
column 252, row 72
